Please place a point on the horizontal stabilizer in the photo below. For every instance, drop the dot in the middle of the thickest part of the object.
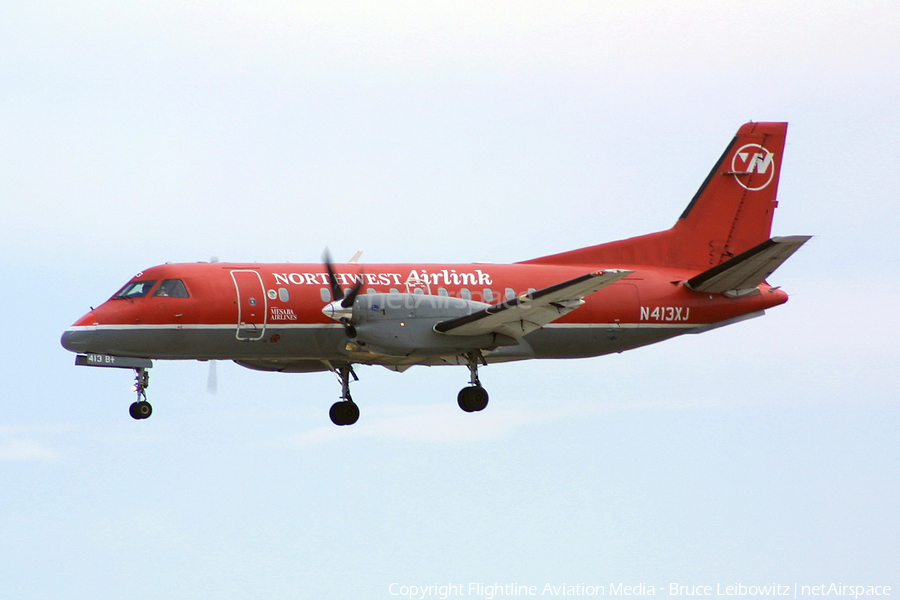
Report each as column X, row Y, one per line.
column 741, row 274
column 519, row 316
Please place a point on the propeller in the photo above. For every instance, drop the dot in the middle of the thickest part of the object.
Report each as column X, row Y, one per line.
column 336, row 291
column 341, row 308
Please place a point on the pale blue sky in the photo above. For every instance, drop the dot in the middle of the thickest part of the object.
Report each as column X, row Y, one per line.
column 133, row 134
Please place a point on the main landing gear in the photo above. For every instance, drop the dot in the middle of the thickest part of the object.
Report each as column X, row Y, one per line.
column 473, row 397
column 345, row 411
column 140, row 409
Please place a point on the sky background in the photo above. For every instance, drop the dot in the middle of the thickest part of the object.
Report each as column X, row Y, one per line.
column 137, row 133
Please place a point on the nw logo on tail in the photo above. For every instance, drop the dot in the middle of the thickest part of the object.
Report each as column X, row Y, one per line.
column 750, row 160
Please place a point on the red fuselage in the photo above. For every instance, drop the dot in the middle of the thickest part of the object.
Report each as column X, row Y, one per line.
column 274, row 311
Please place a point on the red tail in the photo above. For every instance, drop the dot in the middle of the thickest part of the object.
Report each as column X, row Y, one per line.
column 730, row 213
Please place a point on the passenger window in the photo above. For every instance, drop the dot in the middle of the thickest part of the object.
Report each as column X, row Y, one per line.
column 465, row 293
column 488, row 295
column 325, row 294
column 510, row 293
column 284, row 295
column 174, row 288
column 442, row 291
column 135, row 289
column 394, row 291
column 371, row 291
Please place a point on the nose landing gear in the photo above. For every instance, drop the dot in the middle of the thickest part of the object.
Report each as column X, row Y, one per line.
column 140, row 409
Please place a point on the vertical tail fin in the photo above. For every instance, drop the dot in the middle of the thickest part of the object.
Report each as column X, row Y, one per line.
column 730, row 213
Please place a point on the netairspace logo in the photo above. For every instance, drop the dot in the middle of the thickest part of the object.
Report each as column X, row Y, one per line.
column 490, row 591
column 776, row 589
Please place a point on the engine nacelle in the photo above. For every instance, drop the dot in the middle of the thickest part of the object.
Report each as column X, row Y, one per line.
column 403, row 325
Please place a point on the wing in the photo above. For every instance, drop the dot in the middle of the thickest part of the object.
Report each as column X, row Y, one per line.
column 528, row 312
column 741, row 274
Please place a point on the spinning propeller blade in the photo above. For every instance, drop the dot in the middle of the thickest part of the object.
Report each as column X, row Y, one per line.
column 337, row 309
column 351, row 295
column 336, row 292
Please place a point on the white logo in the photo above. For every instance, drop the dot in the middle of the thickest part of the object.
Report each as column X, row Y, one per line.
column 753, row 159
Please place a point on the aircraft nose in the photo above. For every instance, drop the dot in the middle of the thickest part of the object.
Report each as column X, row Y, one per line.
column 78, row 339
column 80, row 336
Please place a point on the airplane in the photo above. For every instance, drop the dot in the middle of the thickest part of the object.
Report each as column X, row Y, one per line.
column 707, row 271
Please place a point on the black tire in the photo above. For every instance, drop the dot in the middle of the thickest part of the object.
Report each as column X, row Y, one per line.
column 335, row 413
column 478, row 398
column 344, row 413
column 143, row 409
column 140, row 410
column 463, row 399
column 352, row 413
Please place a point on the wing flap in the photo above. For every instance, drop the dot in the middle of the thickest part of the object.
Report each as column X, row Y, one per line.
column 743, row 273
column 522, row 315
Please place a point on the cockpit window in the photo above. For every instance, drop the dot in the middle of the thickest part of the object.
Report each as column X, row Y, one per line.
column 135, row 289
column 172, row 287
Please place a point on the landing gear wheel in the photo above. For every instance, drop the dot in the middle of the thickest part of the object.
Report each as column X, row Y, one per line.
column 472, row 398
column 140, row 410
column 345, row 412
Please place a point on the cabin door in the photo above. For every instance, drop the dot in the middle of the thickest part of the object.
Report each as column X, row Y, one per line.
column 252, row 304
